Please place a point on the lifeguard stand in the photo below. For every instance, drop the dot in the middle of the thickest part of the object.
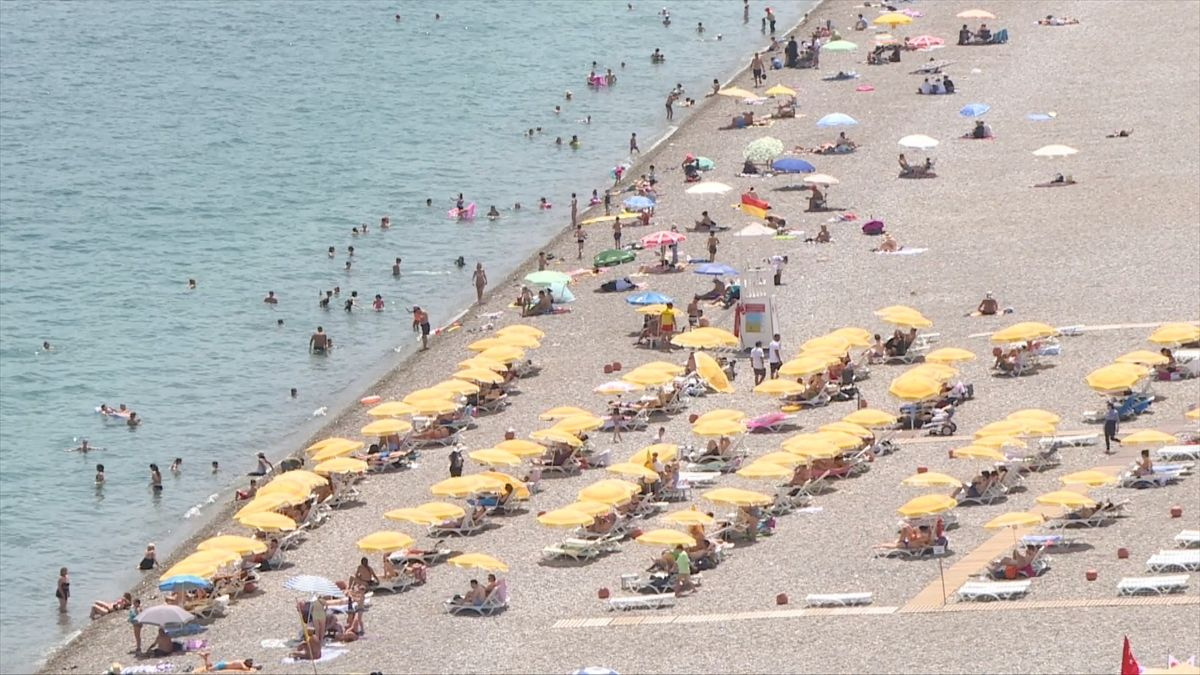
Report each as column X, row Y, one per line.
column 755, row 319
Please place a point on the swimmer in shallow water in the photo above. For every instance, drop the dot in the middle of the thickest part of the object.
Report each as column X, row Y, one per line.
column 271, row 299
column 83, row 447
column 99, row 475
column 46, row 346
column 191, row 284
column 492, row 213
column 332, row 251
column 378, row 303
column 428, row 202
column 459, row 262
column 396, row 268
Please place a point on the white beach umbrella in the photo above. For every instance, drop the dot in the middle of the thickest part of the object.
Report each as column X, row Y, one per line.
column 756, row 230
column 709, row 188
column 1054, row 151
column 919, row 142
column 821, row 179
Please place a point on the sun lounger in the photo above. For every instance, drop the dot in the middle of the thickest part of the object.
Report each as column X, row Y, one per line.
column 1096, row 519
column 1160, row 585
column 641, row 602
column 1078, row 441
column 993, row 590
column 579, row 550
column 208, row 608
column 1174, row 560
column 1128, row 408
column 491, row 605
column 1188, row 538
column 909, row 553
column 1178, row 452
column 444, row 442
column 785, row 501
column 655, row 583
column 1059, row 541
column 429, row 558
column 769, row 423
column 1130, row 480
column 460, row 527
column 493, row 405
column 991, row 495
column 1037, row 567
column 399, row 583
column 699, row 478
column 837, row 599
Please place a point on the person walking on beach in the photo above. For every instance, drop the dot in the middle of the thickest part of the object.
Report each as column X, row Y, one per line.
column 63, row 590
column 1112, row 418
column 614, row 416
column 135, row 608
column 756, row 65
column 319, row 342
column 774, row 356
column 421, row 323
column 712, row 246
column 456, row 462
column 633, row 146
column 757, row 364
column 574, row 210
column 666, row 325
column 480, row 279
column 616, row 232
column 771, row 19
column 607, row 201
column 580, row 237
column 542, row 262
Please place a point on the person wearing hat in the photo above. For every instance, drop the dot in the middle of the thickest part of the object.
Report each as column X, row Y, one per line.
column 988, row 306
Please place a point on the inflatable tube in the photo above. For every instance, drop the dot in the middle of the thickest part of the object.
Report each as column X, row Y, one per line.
column 370, row 400
column 753, row 201
column 466, row 213
column 113, row 413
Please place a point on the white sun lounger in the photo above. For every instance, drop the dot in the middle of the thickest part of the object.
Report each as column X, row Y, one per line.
column 642, row 602
column 1050, row 540
column 1129, row 480
column 1159, row 585
column 699, row 478
column 1178, row 452
column 837, row 599
column 994, row 493
column 909, row 553
column 491, row 605
column 1186, row 560
column 1068, row 441
column 993, row 590
column 577, row 549
column 1188, row 538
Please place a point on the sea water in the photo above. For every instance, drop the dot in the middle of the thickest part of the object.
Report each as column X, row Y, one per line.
column 144, row 144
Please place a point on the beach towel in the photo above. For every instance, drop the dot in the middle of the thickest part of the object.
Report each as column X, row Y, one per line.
column 327, row 654
column 864, row 88
column 274, row 643
column 160, row 667
column 904, row 251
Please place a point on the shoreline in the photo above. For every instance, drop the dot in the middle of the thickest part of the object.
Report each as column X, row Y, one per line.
column 218, row 520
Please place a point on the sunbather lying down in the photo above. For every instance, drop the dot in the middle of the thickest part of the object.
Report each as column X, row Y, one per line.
column 239, row 664
column 910, row 538
column 1120, row 133
column 1058, row 181
column 1052, row 20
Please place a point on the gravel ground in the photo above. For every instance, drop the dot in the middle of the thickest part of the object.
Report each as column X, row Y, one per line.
column 1111, row 250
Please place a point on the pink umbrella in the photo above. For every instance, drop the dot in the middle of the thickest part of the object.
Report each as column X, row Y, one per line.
column 769, row 422
column 914, row 13
column 927, row 42
column 662, row 238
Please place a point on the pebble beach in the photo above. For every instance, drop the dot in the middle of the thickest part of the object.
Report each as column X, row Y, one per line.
column 1117, row 253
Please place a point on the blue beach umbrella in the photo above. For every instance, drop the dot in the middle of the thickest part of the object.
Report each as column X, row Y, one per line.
column 648, row 298
column 184, row 582
column 974, row 109
column 716, row 270
column 636, row 203
column 793, row 165
column 837, row 120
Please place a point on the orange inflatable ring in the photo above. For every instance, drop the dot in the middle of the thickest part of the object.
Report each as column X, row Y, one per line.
column 370, row 400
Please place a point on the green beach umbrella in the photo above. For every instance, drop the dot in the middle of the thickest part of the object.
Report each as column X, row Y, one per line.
column 763, row 150
column 612, row 257
column 547, row 278
column 839, row 46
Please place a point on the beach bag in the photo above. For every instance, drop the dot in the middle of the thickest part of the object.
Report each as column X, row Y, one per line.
column 873, row 227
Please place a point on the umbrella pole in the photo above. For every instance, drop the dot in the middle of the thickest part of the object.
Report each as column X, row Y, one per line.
column 941, row 574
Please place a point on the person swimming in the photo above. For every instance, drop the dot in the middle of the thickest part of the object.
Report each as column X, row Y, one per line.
column 492, row 213
column 460, row 262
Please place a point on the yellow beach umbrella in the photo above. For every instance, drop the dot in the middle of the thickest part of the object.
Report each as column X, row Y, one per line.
column 563, row 411
column 609, row 491
column 1017, row 427
column 270, row 502
column 700, row 338
column 1193, row 414
column 435, row 406
column 896, row 309
column 738, row 497
column 721, row 414
column 892, row 19
column 811, row 445
column 934, row 371
column 828, row 358
column 386, row 427
column 847, row 428
column 302, row 477
column 334, row 443
column 840, row 440
column 459, row 387
column 233, row 542
column 801, row 366
column 870, row 418
column 906, row 320
column 196, row 569
column 590, row 507
column 712, row 373
column 857, row 337
column 630, row 215
column 391, row 409
column 465, row 486
column 557, row 436
column 521, row 329
column 665, row 451
column 673, row 368
column 1148, row 437
column 504, row 354
column 1035, row 414
column 341, row 465
column 219, row 556
column 565, row 518
column 1024, row 332
column 931, row 479
column 617, row 388
column 481, row 375
column 648, row 378
column 442, row 510
column 726, row 338
column 426, row 394
column 1014, row 519
column 927, row 505
column 521, row 448
column 681, row 316
column 719, row 428
column 665, row 537
column 914, row 388
column 487, row 343
column 760, row 470
column 788, row 459
column 413, row 515
column 736, row 92
column 979, row 452
column 494, row 457
column 948, row 355
column 520, row 489
column 1143, row 357
column 1066, row 499
column 689, row 517
column 632, row 470
column 1001, row 441
column 384, row 542
column 335, row 451
column 267, row 521
column 780, row 387
column 480, row 362
column 579, row 424
column 1090, row 478
column 522, row 340
column 478, row 561
column 1115, row 377
column 1175, row 334
column 975, row 14
column 827, row 343
column 295, row 492
column 780, row 90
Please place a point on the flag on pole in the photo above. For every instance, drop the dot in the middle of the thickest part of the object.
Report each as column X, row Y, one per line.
column 1129, row 665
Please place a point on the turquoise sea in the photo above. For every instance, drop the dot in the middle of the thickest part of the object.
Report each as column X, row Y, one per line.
column 146, row 143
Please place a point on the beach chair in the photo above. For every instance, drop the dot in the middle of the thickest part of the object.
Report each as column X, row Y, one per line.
column 768, row 423
column 837, row 599
column 462, row 527
column 1178, row 452
column 453, row 439
column 1188, row 539
column 909, row 553
column 399, row 583
column 344, row 491
column 428, row 557
column 641, row 602
column 699, row 478
column 1159, row 585
column 387, row 460
column 785, row 502
column 1097, row 519
column 994, row 493
column 681, row 491
column 291, row 539
column 1039, row 460
column 1078, row 441
column 208, row 608
column 1174, row 560
column 1156, row 480
column 655, row 583
column 492, row 604
column 1047, row 541
column 580, row 550
column 1127, row 408
column 816, row 485
column 993, row 590
column 492, row 406
column 909, row 357
column 821, row 398
column 1037, row 567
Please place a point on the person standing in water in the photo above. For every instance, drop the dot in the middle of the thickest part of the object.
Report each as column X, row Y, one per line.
column 396, row 268
column 63, row 590
column 633, row 146
column 155, row 479
column 319, row 342
column 480, row 279
column 421, row 323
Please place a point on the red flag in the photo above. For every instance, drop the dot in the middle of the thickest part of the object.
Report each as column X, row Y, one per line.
column 1129, row 665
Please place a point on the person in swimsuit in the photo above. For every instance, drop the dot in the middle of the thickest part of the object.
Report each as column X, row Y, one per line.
column 264, row 466
column 155, row 478
column 319, row 342
column 421, row 323
column 364, row 575
column 480, row 279
column 99, row 475
column 149, row 559
column 271, row 299
column 63, row 590
column 237, row 665
column 133, row 420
